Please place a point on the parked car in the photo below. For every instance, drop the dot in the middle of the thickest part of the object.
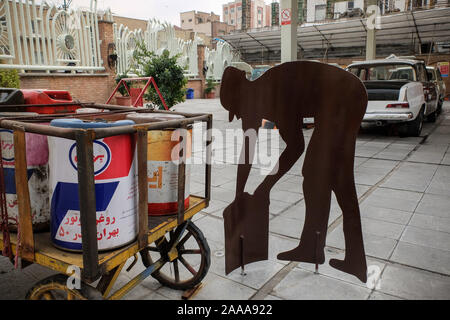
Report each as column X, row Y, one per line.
column 399, row 91
column 435, row 75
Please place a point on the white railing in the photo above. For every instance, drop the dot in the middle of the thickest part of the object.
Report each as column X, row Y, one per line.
column 157, row 38
column 45, row 38
column 161, row 36
column 220, row 58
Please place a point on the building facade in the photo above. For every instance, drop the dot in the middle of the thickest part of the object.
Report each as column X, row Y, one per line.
column 260, row 14
column 207, row 23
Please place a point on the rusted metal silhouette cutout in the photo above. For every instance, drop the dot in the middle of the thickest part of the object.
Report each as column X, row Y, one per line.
column 285, row 95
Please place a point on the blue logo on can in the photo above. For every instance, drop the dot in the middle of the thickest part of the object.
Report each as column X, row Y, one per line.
column 102, row 156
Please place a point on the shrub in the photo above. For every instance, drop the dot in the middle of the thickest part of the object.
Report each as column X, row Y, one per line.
column 210, row 85
column 9, row 79
column 122, row 89
column 168, row 75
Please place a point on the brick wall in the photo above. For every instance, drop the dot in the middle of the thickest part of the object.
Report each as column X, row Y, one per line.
column 95, row 87
column 197, row 85
column 86, row 88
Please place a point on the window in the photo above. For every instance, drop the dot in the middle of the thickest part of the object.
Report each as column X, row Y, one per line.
column 239, row 8
column 200, row 20
column 232, row 21
column 384, row 72
column 226, row 11
column 232, row 10
column 350, row 5
column 190, row 20
column 182, row 21
column 320, row 13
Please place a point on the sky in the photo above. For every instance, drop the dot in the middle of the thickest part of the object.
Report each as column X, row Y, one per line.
column 164, row 10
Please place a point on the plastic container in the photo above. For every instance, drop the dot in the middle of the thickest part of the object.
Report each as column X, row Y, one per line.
column 37, row 169
column 115, row 188
column 10, row 96
column 162, row 157
column 56, row 97
column 190, row 93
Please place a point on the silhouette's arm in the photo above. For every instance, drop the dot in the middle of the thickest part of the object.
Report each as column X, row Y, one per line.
column 247, row 154
column 295, row 145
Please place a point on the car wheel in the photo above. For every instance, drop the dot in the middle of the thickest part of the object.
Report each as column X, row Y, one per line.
column 432, row 116
column 439, row 108
column 414, row 128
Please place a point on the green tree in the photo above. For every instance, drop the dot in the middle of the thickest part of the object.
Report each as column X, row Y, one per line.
column 168, row 75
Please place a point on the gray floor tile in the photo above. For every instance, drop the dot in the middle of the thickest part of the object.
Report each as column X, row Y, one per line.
column 422, row 257
column 435, row 205
column 286, row 226
column 441, row 182
column 305, row 285
column 382, row 296
column 375, row 246
column 278, row 244
column 327, row 270
column 218, row 288
column 382, row 228
column 385, row 214
column 427, row 238
column 411, row 283
column 428, row 154
column 411, row 176
column 393, row 199
column 430, row 222
column 212, row 228
column 215, row 205
column 277, row 207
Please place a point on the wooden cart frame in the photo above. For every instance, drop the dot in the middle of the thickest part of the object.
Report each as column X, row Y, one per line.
column 37, row 248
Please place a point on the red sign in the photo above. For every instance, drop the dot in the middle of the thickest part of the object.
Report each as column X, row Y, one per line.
column 444, row 68
column 286, row 17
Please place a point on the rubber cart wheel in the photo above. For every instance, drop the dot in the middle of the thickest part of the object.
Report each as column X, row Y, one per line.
column 192, row 262
column 55, row 288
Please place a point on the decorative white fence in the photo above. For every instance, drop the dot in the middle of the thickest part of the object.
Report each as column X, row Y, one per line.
column 43, row 37
column 220, row 58
column 161, row 36
column 157, row 38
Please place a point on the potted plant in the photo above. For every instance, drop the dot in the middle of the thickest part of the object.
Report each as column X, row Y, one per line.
column 124, row 99
column 210, row 87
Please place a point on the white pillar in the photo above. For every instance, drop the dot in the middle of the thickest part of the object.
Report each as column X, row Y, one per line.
column 289, row 30
column 371, row 40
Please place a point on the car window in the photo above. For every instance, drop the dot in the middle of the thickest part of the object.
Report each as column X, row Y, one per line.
column 431, row 75
column 384, row 72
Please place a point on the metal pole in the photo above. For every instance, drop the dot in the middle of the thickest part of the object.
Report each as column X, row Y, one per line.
column 289, row 23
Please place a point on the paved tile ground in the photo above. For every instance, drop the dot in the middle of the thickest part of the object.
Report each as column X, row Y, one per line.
column 403, row 185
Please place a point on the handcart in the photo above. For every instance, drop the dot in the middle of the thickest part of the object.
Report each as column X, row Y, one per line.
column 167, row 236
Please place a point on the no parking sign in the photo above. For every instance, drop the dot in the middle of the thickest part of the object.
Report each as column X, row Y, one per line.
column 286, row 17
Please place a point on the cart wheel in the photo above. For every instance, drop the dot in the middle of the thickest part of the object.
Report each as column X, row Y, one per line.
column 55, row 288
column 191, row 264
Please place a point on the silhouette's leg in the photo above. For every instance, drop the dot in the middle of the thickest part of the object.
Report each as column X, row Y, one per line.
column 317, row 192
column 345, row 190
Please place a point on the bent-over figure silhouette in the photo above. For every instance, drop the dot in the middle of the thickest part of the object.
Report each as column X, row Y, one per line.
column 285, row 95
